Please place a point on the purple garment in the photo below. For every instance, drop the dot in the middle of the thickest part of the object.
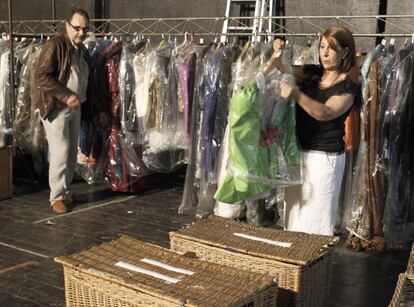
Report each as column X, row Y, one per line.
column 210, row 102
column 186, row 73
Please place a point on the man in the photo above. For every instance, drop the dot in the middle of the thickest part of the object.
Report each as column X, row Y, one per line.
column 62, row 74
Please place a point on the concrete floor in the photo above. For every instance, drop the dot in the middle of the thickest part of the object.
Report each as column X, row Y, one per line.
column 31, row 236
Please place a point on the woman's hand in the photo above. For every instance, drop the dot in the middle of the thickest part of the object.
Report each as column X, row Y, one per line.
column 278, row 45
column 288, row 92
column 275, row 61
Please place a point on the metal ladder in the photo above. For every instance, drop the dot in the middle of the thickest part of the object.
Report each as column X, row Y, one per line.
column 261, row 8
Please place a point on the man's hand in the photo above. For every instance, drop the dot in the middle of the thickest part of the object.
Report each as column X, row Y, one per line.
column 73, row 102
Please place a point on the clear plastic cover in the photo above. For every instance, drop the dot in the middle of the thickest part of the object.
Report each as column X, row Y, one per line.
column 124, row 168
column 28, row 131
column 128, row 113
column 306, row 55
column 358, row 218
column 263, row 152
column 5, row 95
column 92, row 152
column 191, row 184
column 164, row 143
column 398, row 152
column 214, row 121
column 23, row 101
column 381, row 202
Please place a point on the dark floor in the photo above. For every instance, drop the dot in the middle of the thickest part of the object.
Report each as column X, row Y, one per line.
column 31, row 236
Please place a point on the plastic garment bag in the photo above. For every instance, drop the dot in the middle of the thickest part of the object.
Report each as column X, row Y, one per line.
column 192, row 182
column 398, row 152
column 128, row 114
column 29, row 133
column 23, row 100
column 256, row 163
column 239, row 72
column 38, row 137
column 357, row 216
column 164, row 141
column 306, row 55
column 93, row 153
column 5, row 106
column 214, row 121
column 140, row 63
column 124, row 167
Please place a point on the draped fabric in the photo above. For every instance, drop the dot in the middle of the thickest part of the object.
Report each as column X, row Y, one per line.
column 381, row 209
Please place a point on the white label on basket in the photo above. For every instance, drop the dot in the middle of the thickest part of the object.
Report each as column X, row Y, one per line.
column 277, row 243
column 167, row 266
column 134, row 268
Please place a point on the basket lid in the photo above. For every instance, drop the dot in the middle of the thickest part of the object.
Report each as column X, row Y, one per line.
column 286, row 246
column 167, row 275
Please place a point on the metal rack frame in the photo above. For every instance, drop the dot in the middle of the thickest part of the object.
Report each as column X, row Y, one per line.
column 206, row 26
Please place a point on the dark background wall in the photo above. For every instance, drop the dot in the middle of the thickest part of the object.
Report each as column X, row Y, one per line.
column 42, row 9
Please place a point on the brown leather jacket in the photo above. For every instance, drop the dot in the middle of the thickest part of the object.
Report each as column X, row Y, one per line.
column 52, row 73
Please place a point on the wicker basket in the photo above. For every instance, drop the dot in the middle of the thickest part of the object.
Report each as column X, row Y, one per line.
column 410, row 266
column 302, row 270
column 98, row 277
column 404, row 292
column 6, row 187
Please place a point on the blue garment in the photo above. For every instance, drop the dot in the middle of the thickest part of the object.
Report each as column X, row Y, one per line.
column 215, row 107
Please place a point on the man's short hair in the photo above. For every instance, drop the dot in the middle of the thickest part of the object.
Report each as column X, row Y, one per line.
column 77, row 11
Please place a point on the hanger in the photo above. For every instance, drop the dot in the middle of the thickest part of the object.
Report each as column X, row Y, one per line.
column 308, row 44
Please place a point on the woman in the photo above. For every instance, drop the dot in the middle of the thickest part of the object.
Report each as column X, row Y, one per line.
column 324, row 100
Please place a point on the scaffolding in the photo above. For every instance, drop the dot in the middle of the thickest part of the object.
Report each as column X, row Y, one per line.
column 396, row 26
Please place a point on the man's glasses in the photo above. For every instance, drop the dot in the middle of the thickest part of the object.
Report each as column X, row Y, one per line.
column 78, row 28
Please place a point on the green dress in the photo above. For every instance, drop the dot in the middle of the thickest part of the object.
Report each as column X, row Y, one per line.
column 253, row 169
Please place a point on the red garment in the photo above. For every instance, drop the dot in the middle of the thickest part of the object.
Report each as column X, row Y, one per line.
column 118, row 172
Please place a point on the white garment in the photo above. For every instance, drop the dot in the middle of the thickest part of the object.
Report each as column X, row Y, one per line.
column 312, row 207
column 141, row 88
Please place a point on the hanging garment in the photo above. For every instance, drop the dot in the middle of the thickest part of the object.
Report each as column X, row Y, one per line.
column 213, row 125
column 23, row 100
column 5, row 108
column 165, row 146
column 261, row 148
column 358, row 219
column 141, row 68
column 399, row 153
column 186, row 73
column 38, row 137
column 239, row 72
column 129, row 120
column 124, row 168
column 192, row 183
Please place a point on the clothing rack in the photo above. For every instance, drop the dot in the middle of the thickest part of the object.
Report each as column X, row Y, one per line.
column 295, row 26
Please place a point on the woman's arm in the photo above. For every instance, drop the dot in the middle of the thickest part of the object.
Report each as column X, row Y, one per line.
column 334, row 107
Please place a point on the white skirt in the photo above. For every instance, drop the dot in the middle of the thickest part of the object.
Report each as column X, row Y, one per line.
column 312, row 207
